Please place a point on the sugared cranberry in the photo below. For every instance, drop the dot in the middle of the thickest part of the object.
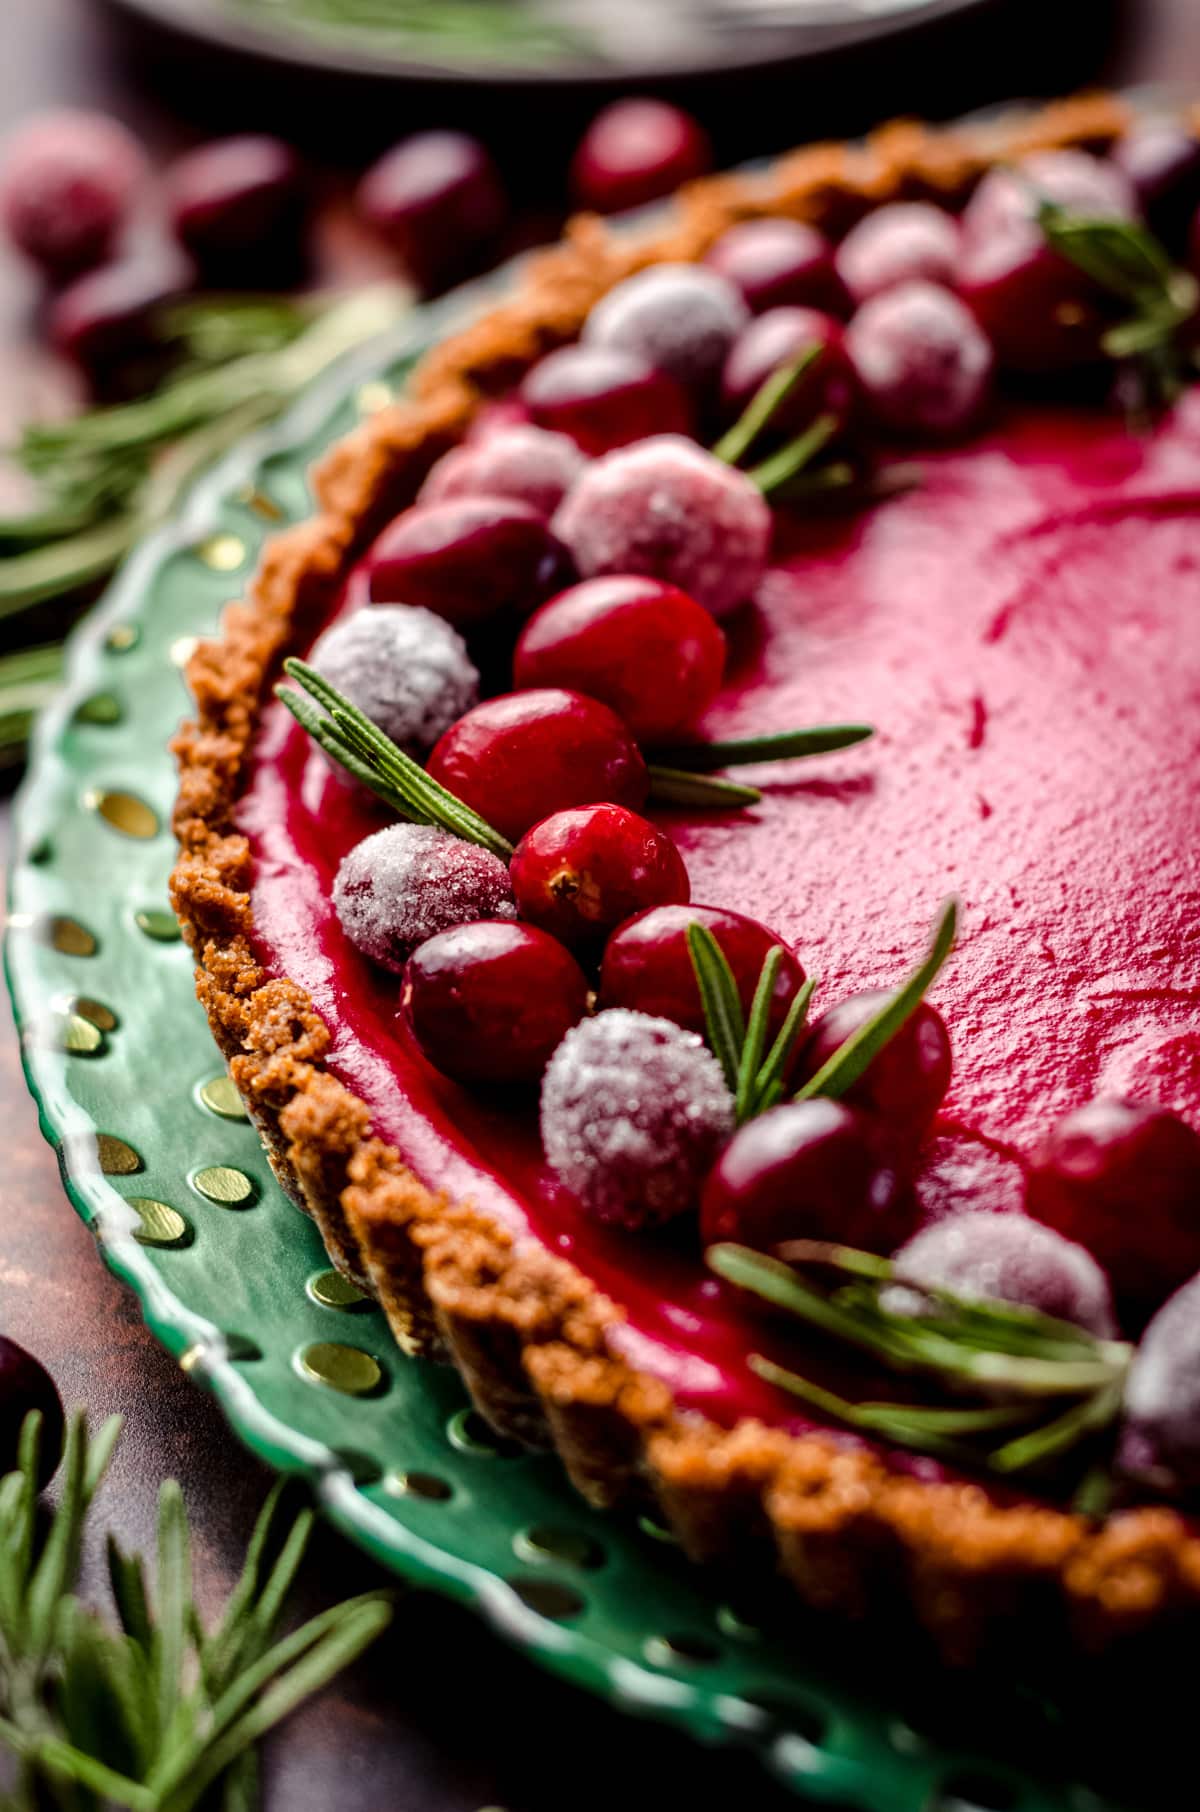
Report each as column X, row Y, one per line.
column 467, row 558
column 237, row 206
column 779, row 264
column 492, row 1002
column 67, row 184
column 1123, row 1179
column 904, row 1085
column 643, row 647
column 669, row 510
column 25, row 1386
column 648, row 965
column 517, row 758
column 1161, row 162
column 405, row 668
column 581, row 873
column 806, row 1170
column 680, row 318
column 904, row 241
column 521, row 463
column 604, row 398
column 1160, row 1438
column 923, row 363
column 438, row 200
column 105, row 321
column 828, row 387
column 634, row 1111
column 634, row 152
column 402, row 885
column 1006, row 1258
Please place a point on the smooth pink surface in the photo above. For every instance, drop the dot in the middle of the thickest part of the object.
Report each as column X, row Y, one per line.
column 1024, row 630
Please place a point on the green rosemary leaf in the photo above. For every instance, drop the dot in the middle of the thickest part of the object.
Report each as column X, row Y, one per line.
column 1094, row 1496
column 839, row 1258
column 220, row 1652
column 127, row 1579
column 767, row 1086
column 1057, row 1437
column 172, row 1599
column 777, row 1283
column 65, row 1762
column 750, row 1062
column 839, row 1409
column 677, row 786
column 787, row 745
column 269, row 1607
column 763, row 406
column 323, row 733
column 782, row 467
column 65, row 566
column 850, row 1059
column 722, row 1004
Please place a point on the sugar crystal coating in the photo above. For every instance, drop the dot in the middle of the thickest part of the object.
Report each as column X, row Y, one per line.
column 405, row 668
column 634, row 1112
column 681, row 318
column 1160, row 1441
column 401, row 885
column 532, row 465
column 1008, row 1258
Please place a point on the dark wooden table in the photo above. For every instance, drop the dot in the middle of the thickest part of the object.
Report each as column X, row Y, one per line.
column 440, row 1717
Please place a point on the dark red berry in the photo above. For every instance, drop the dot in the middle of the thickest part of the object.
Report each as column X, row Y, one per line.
column 68, row 182
column 104, row 322
column 518, row 758
column 604, row 398
column 648, row 966
column 1123, row 1179
column 776, row 339
column 806, row 1170
column 467, row 558
column 438, row 200
column 643, row 647
column 492, row 1002
column 923, row 363
column 237, row 205
column 902, row 1087
column 900, row 243
column 1161, row 162
column 26, row 1385
column 580, row 873
column 779, row 264
column 636, row 151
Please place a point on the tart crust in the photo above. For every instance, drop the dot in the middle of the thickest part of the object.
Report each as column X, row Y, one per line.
column 526, row 1330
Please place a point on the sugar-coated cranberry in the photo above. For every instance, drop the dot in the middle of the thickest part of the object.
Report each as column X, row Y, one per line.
column 634, row 1111
column 773, row 340
column 467, row 558
column 68, row 181
column 104, row 321
column 904, row 1085
column 402, row 885
column 404, row 667
column 669, row 510
column 522, row 463
column 779, row 264
column 635, row 151
column 604, row 398
column 898, row 243
column 680, row 318
column 648, row 965
column 1123, row 1179
column 25, row 1386
column 806, row 1170
column 438, row 200
column 1160, row 160
column 517, row 758
column 922, row 361
column 580, row 873
column 644, row 648
column 237, row 206
column 1160, row 1436
column 492, row 1002
column 1006, row 1258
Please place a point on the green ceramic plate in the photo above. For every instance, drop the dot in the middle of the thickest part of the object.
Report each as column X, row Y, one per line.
column 162, row 1166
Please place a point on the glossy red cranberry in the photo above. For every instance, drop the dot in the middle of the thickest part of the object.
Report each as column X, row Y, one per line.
column 896, row 244
column 636, row 151
column 923, row 363
column 492, row 1002
column 68, row 182
column 580, row 873
column 1161, row 162
column 438, row 200
column 645, row 648
column 648, row 966
column 518, row 758
column 237, row 206
column 26, row 1385
column 105, row 321
column 1123, row 1179
column 467, row 558
column 604, row 398
column 806, row 1170
column 779, row 264
column 776, row 339
column 904, row 1086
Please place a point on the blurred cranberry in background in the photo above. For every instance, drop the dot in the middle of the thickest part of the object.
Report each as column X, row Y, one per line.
column 604, row 397
column 237, row 206
column 102, row 321
column 68, row 181
column 438, row 200
column 779, row 262
column 1161, row 161
column 776, row 339
column 637, row 151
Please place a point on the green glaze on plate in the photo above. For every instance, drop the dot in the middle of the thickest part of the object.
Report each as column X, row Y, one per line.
column 154, row 1156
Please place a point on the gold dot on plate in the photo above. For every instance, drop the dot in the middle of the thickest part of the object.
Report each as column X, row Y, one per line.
column 67, row 936
column 122, row 637
column 569, row 1546
column 333, row 1291
column 183, row 648
column 222, row 553
column 374, row 396
column 100, row 708
column 159, row 1223
column 220, row 1097
column 155, row 922
column 76, row 1035
column 344, row 1368
column 222, row 1184
column 548, row 1597
column 124, row 811
column 418, row 1484
column 94, row 1011
column 117, row 1159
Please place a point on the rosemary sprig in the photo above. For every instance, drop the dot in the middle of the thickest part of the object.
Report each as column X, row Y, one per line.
column 784, row 745
column 775, row 474
column 763, row 407
column 491, row 30
column 738, row 1043
column 29, row 678
column 683, row 787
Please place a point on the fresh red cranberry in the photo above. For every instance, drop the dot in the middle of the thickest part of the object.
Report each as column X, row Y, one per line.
column 903, row 1087
column 580, row 873
column 895, row 244
column 492, row 1002
column 68, row 182
column 1161, row 162
column 828, row 387
column 104, row 322
column 923, row 363
column 648, row 965
column 644, row 648
column 1123, row 1179
column 680, row 318
column 438, row 200
column 518, row 758
column 467, row 558
column 806, row 1170
column 779, row 264
column 604, row 398
column 636, row 151
column 26, row 1385
column 237, row 206
column 520, row 462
